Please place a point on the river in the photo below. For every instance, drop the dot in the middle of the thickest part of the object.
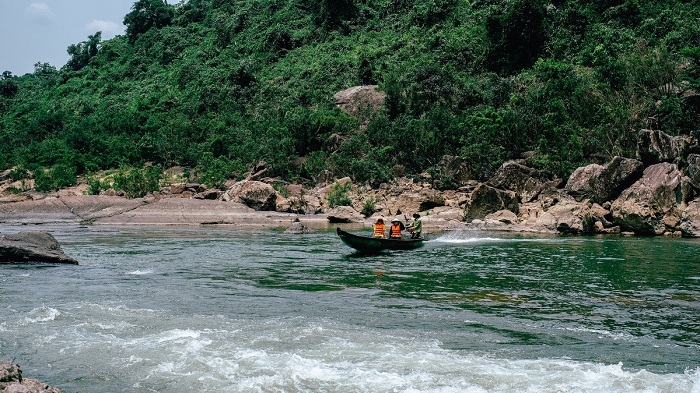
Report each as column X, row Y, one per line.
column 219, row 310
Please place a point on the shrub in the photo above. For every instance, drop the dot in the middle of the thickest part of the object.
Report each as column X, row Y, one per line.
column 215, row 171
column 56, row 178
column 369, row 206
column 136, row 183
column 19, row 173
column 338, row 195
column 95, row 186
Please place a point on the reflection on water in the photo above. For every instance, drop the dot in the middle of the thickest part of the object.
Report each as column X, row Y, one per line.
column 220, row 310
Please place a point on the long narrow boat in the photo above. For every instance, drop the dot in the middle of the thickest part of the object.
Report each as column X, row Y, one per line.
column 367, row 244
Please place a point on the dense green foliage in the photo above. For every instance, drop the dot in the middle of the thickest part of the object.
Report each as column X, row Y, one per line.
column 219, row 85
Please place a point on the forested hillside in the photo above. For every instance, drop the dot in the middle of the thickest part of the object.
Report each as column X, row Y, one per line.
column 218, row 85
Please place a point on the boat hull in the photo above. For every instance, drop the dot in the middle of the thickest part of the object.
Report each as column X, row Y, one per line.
column 368, row 244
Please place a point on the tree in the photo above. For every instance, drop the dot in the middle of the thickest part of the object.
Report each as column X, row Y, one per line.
column 146, row 14
column 517, row 36
column 82, row 53
column 8, row 87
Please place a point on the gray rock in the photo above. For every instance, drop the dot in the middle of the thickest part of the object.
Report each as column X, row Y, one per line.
column 486, row 199
column 690, row 220
column 602, row 183
column 572, row 217
column 211, row 194
column 654, row 147
column 32, row 246
column 616, row 176
column 344, row 214
column 652, row 205
column 297, row 228
column 11, row 381
column 693, row 169
column 360, row 101
column 525, row 181
column 580, row 182
column 254, row 194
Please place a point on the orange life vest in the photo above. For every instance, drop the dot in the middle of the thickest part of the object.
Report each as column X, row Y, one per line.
column 395, row 230
column 379, row 230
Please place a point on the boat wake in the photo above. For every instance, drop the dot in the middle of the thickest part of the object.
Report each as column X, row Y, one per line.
column 472, row 237
column 466, row 238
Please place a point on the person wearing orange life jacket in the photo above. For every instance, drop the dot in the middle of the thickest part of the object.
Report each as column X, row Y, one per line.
column 379, row 228
column 396, row 228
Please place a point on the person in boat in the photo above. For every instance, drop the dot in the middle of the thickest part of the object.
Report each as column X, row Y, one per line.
column 416, row 226
column 395, row 229
column 379, row 228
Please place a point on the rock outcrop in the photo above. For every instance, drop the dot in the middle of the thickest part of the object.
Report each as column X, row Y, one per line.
column 652, row 205
column 658, row 193
column 254, row 194
column 344, row 214
column 32, row 246
column 525, row 181
column 654, row 147
column 297, row 228
column 602, row 183
column 360, row 101
column 11, row 381
column 486, row 199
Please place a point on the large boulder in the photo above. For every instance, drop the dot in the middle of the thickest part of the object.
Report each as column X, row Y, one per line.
column 652, row 205
column 486, row 199
column 32, row 246
column 344, row 214
column 616, row 176
column 418, row 201
column 654, row 147
column 602, row 183
column 254, row 194
column 690, row 220
column 580, row 182
column 360, row 101
column 525, row 181
column 573, row 217
column 693, row 169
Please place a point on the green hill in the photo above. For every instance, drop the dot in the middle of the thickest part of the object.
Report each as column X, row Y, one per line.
column 219, row 85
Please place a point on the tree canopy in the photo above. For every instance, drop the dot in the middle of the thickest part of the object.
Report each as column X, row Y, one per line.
column 219, row 85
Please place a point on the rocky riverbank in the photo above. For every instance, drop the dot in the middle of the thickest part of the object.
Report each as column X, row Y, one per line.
column 11, row 381
column 654, row 194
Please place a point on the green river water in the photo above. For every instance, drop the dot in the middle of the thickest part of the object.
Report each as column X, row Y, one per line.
column 219, row 310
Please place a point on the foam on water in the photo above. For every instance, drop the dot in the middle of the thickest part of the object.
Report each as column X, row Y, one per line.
column 42, row 314
column 470, row 237
column 464, row 238
column 602, row 333
column 139, row 272
column 153, row 352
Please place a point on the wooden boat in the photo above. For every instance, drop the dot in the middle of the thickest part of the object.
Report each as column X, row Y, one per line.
column 367, row 244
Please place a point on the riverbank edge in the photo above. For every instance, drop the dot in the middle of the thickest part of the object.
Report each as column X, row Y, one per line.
column 93, row 210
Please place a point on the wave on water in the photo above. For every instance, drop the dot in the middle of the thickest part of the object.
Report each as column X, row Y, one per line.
column 42, row 314
column 298, row 355
column 139, row 272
